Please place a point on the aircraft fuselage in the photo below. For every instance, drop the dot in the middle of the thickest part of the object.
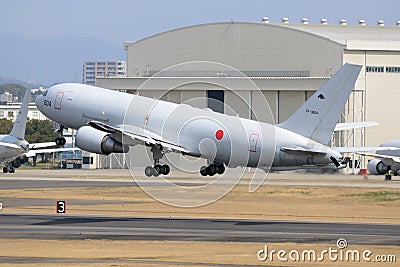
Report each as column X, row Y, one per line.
column 227, row 139
column 10, row 153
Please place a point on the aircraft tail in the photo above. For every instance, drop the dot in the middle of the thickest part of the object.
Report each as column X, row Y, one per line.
column 317, row 117
column 18, row 129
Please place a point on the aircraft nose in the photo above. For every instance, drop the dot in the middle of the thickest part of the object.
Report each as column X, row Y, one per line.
column 39, row 102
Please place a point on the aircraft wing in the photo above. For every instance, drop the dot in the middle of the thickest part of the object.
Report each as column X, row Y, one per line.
column 302, row 150
column 41, row 145
column 395, row 159
column 363, row 149
column 33, row 152
column 354, row 125
column 132, row 134
column 9, row 145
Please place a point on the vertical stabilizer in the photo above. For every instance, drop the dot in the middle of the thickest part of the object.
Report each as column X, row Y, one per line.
column 18, row 129
column 317, row 117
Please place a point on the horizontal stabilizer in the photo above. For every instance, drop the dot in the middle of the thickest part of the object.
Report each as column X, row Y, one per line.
column 9, row 145
column 354, row 125
column 363, row 149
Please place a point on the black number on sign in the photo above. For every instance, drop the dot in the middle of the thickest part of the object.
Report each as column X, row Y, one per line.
column 61, row 207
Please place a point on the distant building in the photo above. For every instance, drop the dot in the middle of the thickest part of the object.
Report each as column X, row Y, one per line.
column 93, row 69
column 6, row 98
column 11, row 110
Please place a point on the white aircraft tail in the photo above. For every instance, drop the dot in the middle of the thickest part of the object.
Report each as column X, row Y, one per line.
column 317, row 117
column 18, row 129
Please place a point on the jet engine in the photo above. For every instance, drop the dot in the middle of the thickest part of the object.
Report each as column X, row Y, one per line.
column 93, row 140
column 377, row 167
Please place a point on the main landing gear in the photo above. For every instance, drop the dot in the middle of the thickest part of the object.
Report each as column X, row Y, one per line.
column 388, row 176
column 158, row 168
column 212, row 169
column 8, row 169
column 16, row 163
column 60, row 141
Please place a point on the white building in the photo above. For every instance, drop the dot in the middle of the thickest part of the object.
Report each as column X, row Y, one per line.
column 10, row 111
column 93, row 69
column 6, row 98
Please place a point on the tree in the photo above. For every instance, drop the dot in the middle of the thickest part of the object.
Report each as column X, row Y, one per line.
column 5, row 126
column 37, row 131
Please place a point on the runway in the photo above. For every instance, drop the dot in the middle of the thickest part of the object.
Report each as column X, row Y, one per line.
column 182, row 229
column 125, row 226
column 24, row 183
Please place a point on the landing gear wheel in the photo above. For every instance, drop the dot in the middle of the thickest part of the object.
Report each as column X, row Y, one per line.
column 149, row 171
column 220, row 169
column 11, row 170
column 157, row 170
column 212, row 170
column 388, row 177
column 60, row 141
column 203, row 170
column 5, row 170
column 165, row 169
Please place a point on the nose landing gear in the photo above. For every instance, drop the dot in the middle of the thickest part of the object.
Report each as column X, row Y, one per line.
column 60, row 141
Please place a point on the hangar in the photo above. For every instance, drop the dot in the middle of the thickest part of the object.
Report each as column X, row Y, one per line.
column 287, row 62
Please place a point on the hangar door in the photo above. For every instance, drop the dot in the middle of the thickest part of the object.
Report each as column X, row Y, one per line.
column 215, row 100
column 289, row 102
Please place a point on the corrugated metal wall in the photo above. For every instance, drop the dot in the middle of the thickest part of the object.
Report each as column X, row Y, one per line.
column 244, row 46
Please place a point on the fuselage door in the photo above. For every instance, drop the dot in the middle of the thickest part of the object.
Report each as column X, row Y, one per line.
column 58, row 101
column 253, row 142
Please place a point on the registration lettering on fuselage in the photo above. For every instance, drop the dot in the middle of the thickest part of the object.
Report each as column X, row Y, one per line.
column 315, row 112
column 47, row 103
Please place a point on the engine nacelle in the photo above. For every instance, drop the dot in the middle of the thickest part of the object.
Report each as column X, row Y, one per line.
column 377, row 167
column 93, row 140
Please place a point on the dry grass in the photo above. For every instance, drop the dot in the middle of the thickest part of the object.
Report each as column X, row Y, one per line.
column 332, row 204
column 270, row 202
column 171, row 253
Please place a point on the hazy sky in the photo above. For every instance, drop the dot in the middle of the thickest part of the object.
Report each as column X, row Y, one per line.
column 130, row 20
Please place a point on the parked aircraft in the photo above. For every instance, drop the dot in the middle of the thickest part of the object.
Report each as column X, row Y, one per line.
column 387, row 161
column 13, row 146
column 110, row 122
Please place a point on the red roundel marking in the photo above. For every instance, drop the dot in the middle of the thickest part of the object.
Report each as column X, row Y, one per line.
column 219, row 134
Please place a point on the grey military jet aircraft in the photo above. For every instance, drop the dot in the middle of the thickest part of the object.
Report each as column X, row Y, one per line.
column 13, row 146
column 110, row 122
